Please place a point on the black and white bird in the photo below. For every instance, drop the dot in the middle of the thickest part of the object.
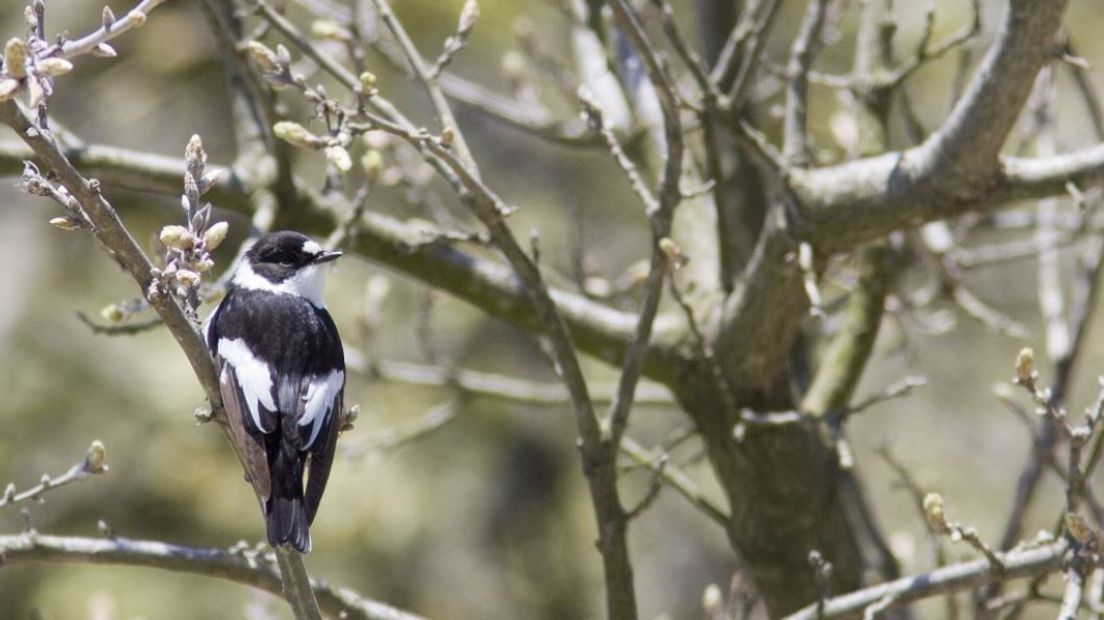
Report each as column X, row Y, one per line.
column 282, row 374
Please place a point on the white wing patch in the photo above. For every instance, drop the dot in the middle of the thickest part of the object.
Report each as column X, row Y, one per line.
column 309, row 283
column 319, row 400
column 254, row 377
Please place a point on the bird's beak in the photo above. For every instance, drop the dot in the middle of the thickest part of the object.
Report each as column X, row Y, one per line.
column 326, row 257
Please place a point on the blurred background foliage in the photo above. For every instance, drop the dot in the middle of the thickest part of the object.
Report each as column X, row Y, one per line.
column 487, row 516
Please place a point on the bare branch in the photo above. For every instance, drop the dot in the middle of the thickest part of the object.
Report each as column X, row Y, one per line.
column 494, row 385
column 1027, row 562
column 239, row 567
column 971, row 138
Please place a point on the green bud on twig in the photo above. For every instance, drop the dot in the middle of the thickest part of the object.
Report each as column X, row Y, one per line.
column 1025, row 366
column 296, row 134
column 935, row 512
column 671, row 250
column 112, row 313
column 95, row 457
column 372, row 163
column 367, row 82
column 339, row 157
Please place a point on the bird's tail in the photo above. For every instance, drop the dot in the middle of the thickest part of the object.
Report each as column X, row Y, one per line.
column 286, row 513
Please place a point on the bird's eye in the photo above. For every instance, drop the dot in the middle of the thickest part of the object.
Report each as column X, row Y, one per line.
column 278, row 258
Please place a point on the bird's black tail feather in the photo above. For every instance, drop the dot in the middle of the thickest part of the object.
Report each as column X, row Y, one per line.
column 286, row 514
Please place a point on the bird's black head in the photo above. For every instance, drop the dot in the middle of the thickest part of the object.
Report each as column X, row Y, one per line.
column 282, row 255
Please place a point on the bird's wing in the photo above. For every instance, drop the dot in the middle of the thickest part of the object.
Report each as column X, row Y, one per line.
column 322, row 455
column 248, row 440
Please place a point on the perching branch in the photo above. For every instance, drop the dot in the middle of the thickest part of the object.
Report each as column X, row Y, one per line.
column 240, row 567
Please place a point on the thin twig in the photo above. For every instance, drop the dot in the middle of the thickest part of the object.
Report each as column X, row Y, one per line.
column 596, row 120
column 678, row 481
column 133, row 18
column 126, row 329
column 1018, row 563
column 436, row 96
column 390, row 439
column 795, row 141
column 91, row 464
column 669, row 196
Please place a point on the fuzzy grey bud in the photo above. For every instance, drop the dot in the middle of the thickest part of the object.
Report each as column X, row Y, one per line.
column 187, row 277
column 136, row 19
column 339, row 157
column 177, row 237
column 194, row 153
column 15, row 58
column 264, row 57
column 103, row 50
column 448, row 135
column 215, row 234
column 329, row 29
column 468, row 16
column 54, row 66
column 8, row 88
column 65, row 223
